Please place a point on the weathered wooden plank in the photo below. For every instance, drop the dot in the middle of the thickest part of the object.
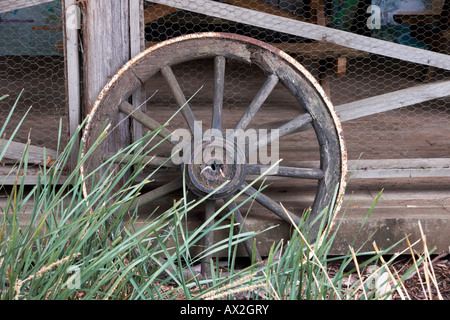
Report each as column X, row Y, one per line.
column 312, row 31
column 385, row 102
column 106, row 44
column 319, row 50
column 393, row 100
column 137, row 44
column 149, row 161
column 9, row 5
column 106, row 48
column 35, row 154
column 71, row 53
column 266, row 8
column 399, row 168
column 390, row 168
column 10, row 175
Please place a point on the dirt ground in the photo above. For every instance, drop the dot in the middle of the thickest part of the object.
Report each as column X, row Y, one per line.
column 418, row 285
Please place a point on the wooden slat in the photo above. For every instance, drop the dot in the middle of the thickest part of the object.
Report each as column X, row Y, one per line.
column 136, row 46
column 262, row 6
column 399, row 168
column 385, row 102
column 158, row 11
column 106, row 44
column 71, row 54
column 319, row 50
column 35, row 154
column 312, row 31
column 390, row 168
column 393, row 100
column 9, row 5
column 9, row 175
column 106, row 48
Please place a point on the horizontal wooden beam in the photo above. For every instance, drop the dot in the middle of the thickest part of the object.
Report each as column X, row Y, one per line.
column 312, row 31
column 35, row 154
column 393, row 100
column 9, row 5
column 387, row 168
column 399, row 168
column 9, row 175
column 358, row 169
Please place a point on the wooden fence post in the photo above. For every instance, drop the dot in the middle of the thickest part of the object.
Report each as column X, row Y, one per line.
column 112, row 35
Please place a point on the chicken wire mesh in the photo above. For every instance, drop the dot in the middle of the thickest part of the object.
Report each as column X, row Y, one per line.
column 32, row 62
column 31, row 58
column 417, row 131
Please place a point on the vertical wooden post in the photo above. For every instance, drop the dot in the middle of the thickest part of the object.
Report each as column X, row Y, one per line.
column 340, row 66
column 106, row 44
column 137, row 44
column 72, row 17
column 112, row 35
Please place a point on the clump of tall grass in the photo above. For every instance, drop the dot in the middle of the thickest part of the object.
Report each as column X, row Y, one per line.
column 75, row 243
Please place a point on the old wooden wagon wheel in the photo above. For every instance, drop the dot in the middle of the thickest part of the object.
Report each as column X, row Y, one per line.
column 309, row 110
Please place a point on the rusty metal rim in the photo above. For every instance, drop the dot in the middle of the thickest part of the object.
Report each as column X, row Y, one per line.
column 217, row 35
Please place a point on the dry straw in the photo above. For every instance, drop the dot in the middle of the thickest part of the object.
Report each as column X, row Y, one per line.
column 225, row 290
column 43, row 270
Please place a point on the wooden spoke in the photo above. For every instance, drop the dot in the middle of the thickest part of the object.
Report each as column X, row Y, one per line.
column 145, row 120
column 180, row 98
column 257, row 101
column 248, row 244
column 269, row 204
column 219, row 84
column 208, row 239
column 157, row 193
column 290, row 127
column 302, row 173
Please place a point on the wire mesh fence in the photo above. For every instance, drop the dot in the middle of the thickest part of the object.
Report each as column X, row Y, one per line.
column 32, row 62
column 32, row 59
column 417, row 131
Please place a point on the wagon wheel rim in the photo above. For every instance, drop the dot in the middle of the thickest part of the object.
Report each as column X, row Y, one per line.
column 281, row 68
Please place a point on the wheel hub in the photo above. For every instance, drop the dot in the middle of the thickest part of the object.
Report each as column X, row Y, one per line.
column 215, row 165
